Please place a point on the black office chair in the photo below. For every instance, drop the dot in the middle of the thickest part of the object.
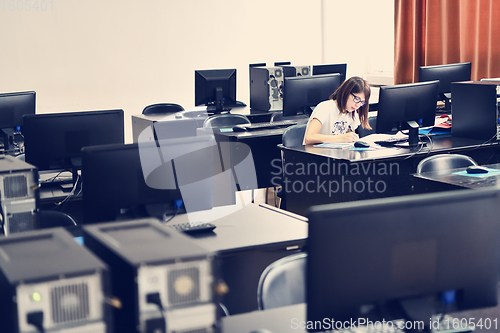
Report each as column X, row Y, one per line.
column 54, row 218
column 373, row 124
column 225, row 120
column 283, row 282
column 294, row 135
column 278, row 116
column 442, row 163
column 162, row 108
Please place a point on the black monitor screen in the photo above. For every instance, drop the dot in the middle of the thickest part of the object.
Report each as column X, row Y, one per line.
column 54, row 141
column 446, row 74
column 331, row 69
column 401, row 104
column 13, row 106
column 215, row 88
column 384, row 254
column 302, row 93
column 146, row 179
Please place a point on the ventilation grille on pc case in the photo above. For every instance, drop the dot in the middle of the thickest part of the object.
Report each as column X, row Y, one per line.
column 70, row 303
column 183, row 285
column 15, row 187
column 19, row 222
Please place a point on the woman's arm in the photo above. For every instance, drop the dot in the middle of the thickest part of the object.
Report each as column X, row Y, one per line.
column 312, row 135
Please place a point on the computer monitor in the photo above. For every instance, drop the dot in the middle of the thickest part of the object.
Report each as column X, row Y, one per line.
column 215, row 88
column 446, row 74
column 302, row 93
column 331, row 69
column 53, row 141
column 380, row 256
column 13, row 106
column 127, row 181
column 407, row 106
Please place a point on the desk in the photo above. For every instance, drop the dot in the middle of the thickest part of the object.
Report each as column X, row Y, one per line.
column 265, row 151
column 439, row 181
column 196, row 116
column 284, row 319
column 246, row 242
column 320, row 175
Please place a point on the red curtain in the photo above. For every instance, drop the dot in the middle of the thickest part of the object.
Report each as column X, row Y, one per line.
column 435, row 32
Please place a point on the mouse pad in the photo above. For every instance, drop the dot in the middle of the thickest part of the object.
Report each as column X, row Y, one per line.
column 491, row 172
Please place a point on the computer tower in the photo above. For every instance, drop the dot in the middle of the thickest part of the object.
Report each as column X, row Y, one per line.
column 50, row 283
column 474, row 110
column 18, row 195
column 163, row 279
column 266, row 88
column 291, row 71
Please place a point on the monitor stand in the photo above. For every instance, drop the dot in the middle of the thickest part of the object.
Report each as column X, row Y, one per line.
column 418, row 309
column 413, row 138
column 8, row 139
column 76, row 164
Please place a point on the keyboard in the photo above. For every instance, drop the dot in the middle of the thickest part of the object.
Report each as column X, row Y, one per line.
column 391, row 141
column 261, row 126
column 190, row 229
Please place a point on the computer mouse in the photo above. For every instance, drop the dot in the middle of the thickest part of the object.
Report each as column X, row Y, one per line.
column 239, row 128
column 476, row 169
column 361, row 144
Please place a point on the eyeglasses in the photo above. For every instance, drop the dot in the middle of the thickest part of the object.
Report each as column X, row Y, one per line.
column 357, row 100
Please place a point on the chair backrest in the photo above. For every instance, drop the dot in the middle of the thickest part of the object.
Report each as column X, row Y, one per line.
column 278, row 116
column 373, row 124
column 163, row 108
column 294, row 135
column 283, row 282
column 54, row 218
column 444, row 162
column 225, row 120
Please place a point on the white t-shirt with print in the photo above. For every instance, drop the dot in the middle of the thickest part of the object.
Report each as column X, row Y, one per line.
column 332, row 121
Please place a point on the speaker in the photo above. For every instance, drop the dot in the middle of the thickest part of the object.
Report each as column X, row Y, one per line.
column 266, row 88
column 18, row 195
column 50, row 283
column 163, row 279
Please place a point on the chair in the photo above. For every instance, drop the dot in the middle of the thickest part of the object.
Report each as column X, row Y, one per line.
column 54, row 218
column 225, row 120
column 294, row 135
column 162, row 108
column 278, row 116
column 283, row 282
column 373, row 124
column 442, row 163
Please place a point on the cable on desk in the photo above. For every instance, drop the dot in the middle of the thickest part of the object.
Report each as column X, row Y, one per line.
column 177, row 205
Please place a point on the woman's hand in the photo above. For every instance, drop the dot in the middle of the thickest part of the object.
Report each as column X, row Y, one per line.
column 349, row 137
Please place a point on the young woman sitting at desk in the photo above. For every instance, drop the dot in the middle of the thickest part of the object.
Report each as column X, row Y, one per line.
column 336, row 119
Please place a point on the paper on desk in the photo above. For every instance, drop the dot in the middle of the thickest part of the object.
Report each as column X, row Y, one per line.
column 334, row 145
column 383, row 137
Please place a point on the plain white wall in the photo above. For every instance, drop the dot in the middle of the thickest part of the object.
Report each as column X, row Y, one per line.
column 93, row 55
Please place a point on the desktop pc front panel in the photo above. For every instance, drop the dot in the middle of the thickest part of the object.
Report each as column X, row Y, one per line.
column 50, row 283
column 18, row 195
